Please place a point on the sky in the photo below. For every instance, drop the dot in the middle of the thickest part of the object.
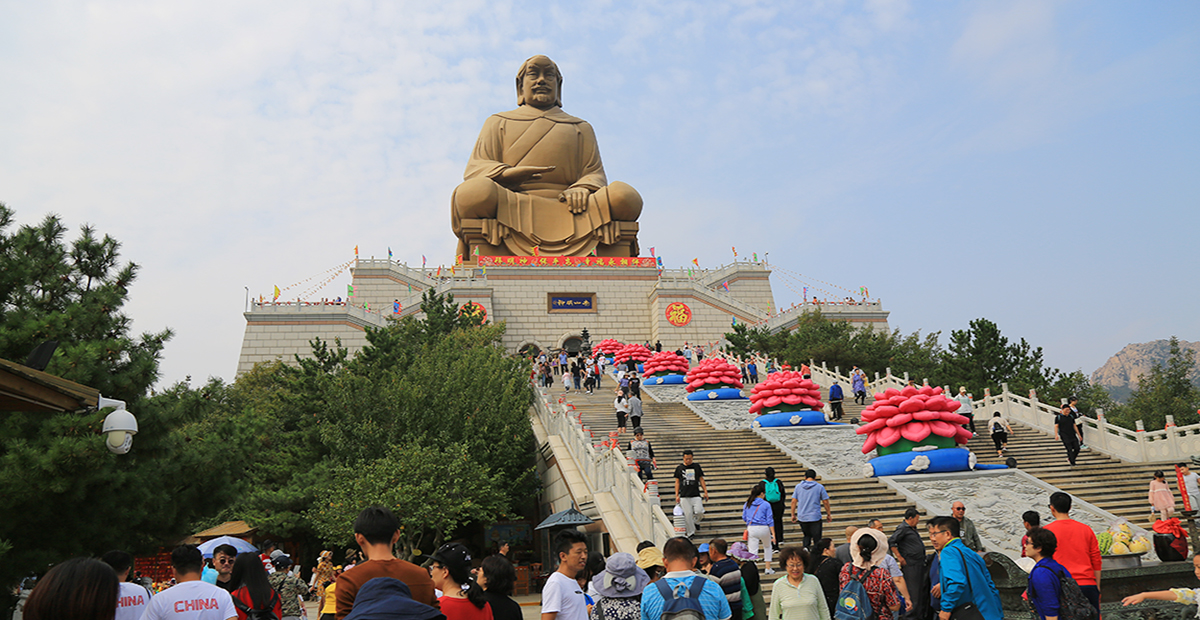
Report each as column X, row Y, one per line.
column 1034, row 163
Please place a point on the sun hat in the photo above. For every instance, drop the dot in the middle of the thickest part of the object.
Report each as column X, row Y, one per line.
column 881, row 547
column 622, row 577
column 650, row 556
column 703, row 548
column 740, row 551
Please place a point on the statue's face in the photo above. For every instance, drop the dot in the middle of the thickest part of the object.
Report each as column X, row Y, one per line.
column 539, row 86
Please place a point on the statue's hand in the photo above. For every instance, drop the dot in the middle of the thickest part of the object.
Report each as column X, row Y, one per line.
column 519, row 174
column 576, row 198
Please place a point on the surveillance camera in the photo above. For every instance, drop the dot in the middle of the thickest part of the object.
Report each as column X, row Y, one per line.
column 119, row 427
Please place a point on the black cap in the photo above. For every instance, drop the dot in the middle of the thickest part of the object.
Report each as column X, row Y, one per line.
column 453, row 555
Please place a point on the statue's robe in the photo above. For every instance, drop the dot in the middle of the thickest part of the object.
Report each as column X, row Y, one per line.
column 530, row 214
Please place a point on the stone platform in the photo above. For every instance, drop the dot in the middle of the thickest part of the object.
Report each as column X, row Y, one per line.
column 546, row 302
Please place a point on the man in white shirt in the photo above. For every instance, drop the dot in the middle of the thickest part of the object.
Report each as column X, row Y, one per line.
column 132, row 598
column 562, row 598
column 190, row 598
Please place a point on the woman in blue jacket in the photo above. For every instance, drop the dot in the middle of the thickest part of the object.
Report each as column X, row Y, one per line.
column 760, row 523
column 1045, row 590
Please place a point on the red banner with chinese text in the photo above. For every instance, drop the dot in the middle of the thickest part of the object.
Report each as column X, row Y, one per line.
column 566, row 261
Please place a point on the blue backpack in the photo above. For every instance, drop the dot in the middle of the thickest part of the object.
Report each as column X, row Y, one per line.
column 682, row 608
column 853, row 602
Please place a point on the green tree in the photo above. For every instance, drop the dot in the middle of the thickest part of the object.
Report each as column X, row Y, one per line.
column 440, row 384
column 63, row 493
column 981, row 357
column 1165, row 391
column 1092, row 396
column 433, row 491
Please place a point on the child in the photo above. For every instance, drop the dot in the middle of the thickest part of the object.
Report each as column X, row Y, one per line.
column 1031, row 519
column 1161, row 498
column 1187, row 596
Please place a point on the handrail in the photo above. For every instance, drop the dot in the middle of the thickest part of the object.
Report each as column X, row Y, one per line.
column 606, row 470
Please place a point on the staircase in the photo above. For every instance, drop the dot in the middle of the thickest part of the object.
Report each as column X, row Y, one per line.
column 1116, row 486
column 733, row 461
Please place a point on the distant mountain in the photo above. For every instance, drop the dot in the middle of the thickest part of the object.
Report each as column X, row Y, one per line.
column 1119, row 375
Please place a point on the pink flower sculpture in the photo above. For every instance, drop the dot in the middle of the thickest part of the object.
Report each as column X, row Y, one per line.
column 713, row 372
column 636, row 351
column 664, row 363
column 900, row 420
column 606, row 347
column 786, row 390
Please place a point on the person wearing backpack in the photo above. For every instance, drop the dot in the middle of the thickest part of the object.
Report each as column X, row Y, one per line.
column 775, row 495
column 1052, row 591
column 967, row 589
column 867, row 589
column 682, row 594
column 254, row 597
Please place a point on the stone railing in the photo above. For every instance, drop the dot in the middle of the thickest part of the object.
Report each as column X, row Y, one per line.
column 1174, row 443
column 606, row 470
column 823, row 376
column 411, row 273
column 373, row 316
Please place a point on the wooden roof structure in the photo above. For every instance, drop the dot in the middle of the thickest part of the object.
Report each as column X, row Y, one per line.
column 25, row 389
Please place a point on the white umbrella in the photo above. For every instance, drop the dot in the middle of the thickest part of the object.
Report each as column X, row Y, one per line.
column 206, row 548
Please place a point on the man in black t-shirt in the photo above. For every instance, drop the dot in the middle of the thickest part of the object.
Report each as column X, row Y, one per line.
column 1066, row 431
column 689, row 481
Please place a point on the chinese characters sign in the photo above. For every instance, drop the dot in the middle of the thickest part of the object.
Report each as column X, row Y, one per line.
column 679, row 314
column 571, row 302
column 565, row 261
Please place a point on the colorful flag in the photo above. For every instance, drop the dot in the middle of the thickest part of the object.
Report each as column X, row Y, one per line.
column 733, row 321
column 756, row 257
column 593, row 252
column 689, row 272
column 349, row 289
column 395, row 307
column 458, row 259
column 734, row 251
column 485, row 272
column 536, row 249
column 696, row 262
column 410, row 288
column 389, row 252
column 276, row 294
column 725, row 285
column 367, row 306
column 356, row 250
column 651, row 252
column 660, row 263
column 422, row 261
column 476, row 251
column 439, row 271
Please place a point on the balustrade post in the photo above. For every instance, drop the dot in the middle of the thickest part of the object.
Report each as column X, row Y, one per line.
column 1101, row 435
column 1141, row 440
column 837, row 370
column 905, row 377
column 1173, row 440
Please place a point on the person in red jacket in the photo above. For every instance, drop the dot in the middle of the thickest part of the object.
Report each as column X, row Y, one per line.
column 254, row 591
column 1078, row 551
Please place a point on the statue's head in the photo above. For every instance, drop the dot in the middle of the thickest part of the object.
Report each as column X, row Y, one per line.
column 539, row 83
